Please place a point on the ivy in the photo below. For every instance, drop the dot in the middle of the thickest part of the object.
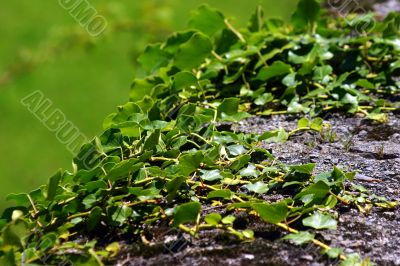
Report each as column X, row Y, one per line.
column 163, row 159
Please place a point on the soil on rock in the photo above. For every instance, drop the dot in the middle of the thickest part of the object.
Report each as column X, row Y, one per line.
column 371, row 150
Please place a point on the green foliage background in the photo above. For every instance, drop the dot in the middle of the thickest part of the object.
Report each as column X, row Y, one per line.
column 85, row 78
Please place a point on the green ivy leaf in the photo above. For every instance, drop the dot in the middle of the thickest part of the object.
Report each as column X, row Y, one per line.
column 207, row 20
column 251, row 171
column 296, row 107
column 334, row 253
column 119, row 215
column 89, row 201
column 275, row 136
column 339, row 176
column 94, row 218
column 145, row 194
column 19, row 199
column 193, row 52
column 248, row 234
column 304, row 168
column 320, row 221
column 183, row 80
column 96, row 185
column 313, row 194
column 303, row 123
column 235, row 150
column 222, row 193
column 278, row 68
column 299, row 238
column 258, row 187
column 152, row 140
column 153, row 58
column 264, row 98
column 122, row 169
column 271, row 213
column 228, row 219
column 317, row 124
column 240, row 162
column 53, row 185
column 257, row 21
column 174, row 185
column 48, row 241
column 213, row 218
column 290, row 81
column 187, row 212
column 188, row 163
column 322, row 74
column 211, row 175
column 229, row 106
column 14, row 233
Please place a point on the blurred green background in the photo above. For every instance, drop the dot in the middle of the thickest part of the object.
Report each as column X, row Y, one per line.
column 43, row 48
